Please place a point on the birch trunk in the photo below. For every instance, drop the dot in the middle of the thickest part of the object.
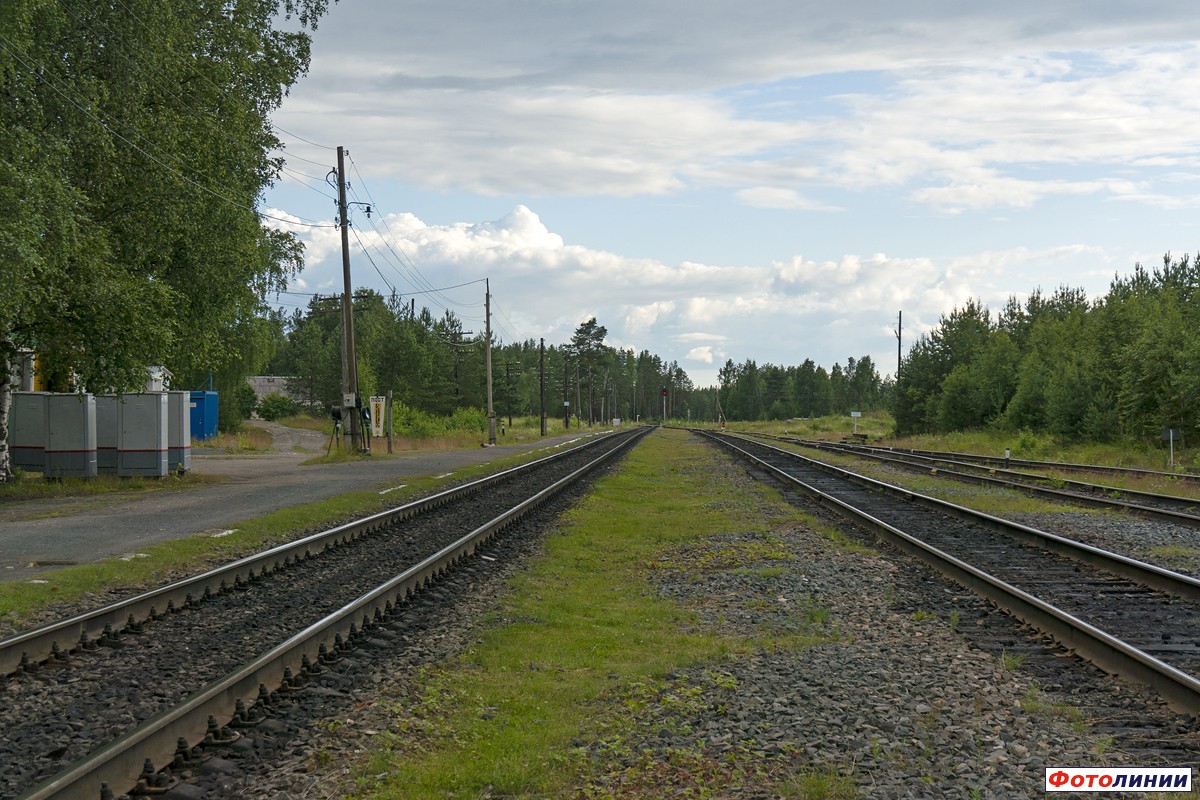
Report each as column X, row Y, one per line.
column 6, row 389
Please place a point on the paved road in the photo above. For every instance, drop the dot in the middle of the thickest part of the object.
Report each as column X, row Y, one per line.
column 39, row 535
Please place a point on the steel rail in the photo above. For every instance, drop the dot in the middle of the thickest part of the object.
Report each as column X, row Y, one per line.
column 156, row 741
column 1179, row 689
column 1065, row 466
column 39, row 644
column 1093, row 501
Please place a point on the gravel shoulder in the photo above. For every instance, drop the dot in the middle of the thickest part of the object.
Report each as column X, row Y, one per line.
column 40, row 535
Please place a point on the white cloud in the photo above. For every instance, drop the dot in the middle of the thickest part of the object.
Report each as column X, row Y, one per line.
column 640, row 319
column 633, row 104
column 698, row 314
column 774, row 197
column 937, row 129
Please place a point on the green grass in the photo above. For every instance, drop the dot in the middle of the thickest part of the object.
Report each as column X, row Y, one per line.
column 246, row 440
column 1143, row 454
column 308, row 422
column 990, row 500
column 1034, row 702
column 875, row 424
column 32, row 486
column 581, row 643
column 1177, row 557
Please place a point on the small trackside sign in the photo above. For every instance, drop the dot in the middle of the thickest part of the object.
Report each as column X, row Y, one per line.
column 1118, row 779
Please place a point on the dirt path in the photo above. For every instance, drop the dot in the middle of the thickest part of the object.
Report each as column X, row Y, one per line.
column 39, row 535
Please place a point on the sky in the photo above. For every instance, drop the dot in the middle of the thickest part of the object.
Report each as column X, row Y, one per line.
column 773, row 180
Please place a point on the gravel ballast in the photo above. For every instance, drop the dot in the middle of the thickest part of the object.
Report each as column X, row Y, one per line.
column 869, row 667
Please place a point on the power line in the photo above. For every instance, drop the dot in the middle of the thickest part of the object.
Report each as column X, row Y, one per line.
column 418, row 279
column 373, row 264
column 271, row 126
column 9, row 47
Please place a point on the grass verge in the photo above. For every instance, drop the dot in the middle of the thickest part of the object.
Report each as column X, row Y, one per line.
column 579, row 643
column 32, row 486
column 999, row 501
column 247, row 440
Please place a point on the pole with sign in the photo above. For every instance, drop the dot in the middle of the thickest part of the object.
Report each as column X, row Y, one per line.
column 855, row 415
column 1171, row 434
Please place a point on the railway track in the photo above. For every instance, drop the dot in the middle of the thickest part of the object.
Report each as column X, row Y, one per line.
column 101, row 703
column 1126, row 616
column 1049, row 466
column 1149, row 505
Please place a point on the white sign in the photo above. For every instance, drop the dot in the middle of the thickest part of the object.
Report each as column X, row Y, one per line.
column 856, row 413
column 377, row 412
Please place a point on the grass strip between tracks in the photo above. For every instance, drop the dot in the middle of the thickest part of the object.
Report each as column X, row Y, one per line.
column 577, row 646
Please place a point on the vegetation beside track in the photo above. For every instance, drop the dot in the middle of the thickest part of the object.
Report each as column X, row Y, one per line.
column 580, row 643
column 878, row 426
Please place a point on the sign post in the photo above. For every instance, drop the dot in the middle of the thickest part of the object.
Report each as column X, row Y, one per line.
column 856, row 415
column 1171, row 434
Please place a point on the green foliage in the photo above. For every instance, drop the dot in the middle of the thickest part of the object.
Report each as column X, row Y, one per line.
column 1119, row 368
column 748, row 392
column 409, row 421
column 137, row 137
column 433, row 366
column 235, row 407
column 276, row 405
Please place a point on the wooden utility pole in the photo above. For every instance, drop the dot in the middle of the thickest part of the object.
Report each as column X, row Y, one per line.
column 350, row 413
column 487, row 307
column 388, row 421
column 899, row 329
column 542, row 383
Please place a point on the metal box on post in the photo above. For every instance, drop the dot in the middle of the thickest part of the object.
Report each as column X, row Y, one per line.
column 107, row 434
column 27, row 431
column 142, row 435
column 179, row 431
column 204, row 415
column 70, row 436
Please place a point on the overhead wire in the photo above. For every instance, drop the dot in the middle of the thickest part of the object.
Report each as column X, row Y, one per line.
column 405, row 267
column 216, row 129
column 417, row 278
column 8, row 47
column 367, row 253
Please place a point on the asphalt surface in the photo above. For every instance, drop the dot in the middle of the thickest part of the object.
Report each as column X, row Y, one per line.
column 40, row 535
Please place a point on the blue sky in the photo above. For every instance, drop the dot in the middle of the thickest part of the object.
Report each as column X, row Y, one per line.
column 771, row 180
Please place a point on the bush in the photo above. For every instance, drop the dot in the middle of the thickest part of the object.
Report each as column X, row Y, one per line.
column 275, row 406
column 418, row 424
column 235, row 407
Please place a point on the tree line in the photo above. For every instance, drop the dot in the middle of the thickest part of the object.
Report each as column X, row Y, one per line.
column 1125, row 365
column 135, row 145
column 430, row 364
column 770, row 392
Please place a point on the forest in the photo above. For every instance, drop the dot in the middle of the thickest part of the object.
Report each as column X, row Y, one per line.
column 430, row 365
column 1125, row 365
